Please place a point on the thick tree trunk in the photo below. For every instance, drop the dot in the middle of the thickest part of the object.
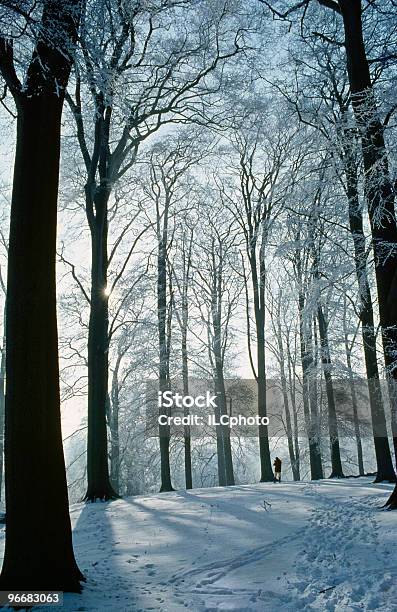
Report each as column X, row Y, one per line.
column 379, row 192
column 2, row 405
column 391, row 503
column 336, row 463
column 36, row 559
column 35, row 477
column 98, row 480
column 384, row 462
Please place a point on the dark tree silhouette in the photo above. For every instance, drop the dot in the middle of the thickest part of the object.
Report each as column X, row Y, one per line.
column 38, row 552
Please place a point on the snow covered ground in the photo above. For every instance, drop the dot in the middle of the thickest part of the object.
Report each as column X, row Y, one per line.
column 317, row 546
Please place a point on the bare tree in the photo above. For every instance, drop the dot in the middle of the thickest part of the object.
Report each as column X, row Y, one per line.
column 263, row 183
column 217, row 293
column 34, row 462
column 132, row 79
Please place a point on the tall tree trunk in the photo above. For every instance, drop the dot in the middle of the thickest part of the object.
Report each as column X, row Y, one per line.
column 259, row 312
column 185, row 379
column 379, row 195
column 220, row 447
column 336, row 463
column 356, row 422
column 114, row 426
column 316, row 469
column 224, row 429
column 284, row 389
column 36, row 490
column 312, row 349
column 294, row 414
column 2, row 402
column 384, row 462
column 223, row 434
column 164, row 383
column 379, row 192
column 98, row 480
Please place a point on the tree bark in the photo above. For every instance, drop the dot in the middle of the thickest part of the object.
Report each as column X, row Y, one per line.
column 185, row 378
column 36, row 490
column 336, row 463
column 359, row 446
column 258, row 283
column 185, row 362
column 98, row 480
column 164, row 383
column 384, row 462
column 225, row 459
column 2, row 402
column 379, row 192
column 284, row 389
column 316, row 469
column 114, row 426
column 292, row 389
column 226, row 448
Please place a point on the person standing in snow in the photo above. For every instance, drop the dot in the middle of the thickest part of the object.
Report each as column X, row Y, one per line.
column 277, row 470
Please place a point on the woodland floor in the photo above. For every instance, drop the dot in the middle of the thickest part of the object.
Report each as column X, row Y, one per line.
column 318, row 546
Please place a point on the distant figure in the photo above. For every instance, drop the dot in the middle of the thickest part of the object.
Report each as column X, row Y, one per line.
column 277, row 470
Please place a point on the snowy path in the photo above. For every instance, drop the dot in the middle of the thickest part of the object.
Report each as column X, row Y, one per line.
column 323, row 546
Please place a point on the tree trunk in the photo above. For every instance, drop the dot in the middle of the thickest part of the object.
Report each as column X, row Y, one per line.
column 2, row 403
column 38, row 551
column 316, row 469
column 356, row 421
column 98, row 480
column 295, row 415
column 225, row 459
column 224, row 429
column 336, row 463
column 258, row 286
column 353, row 394
column 114, row 427
column 284, row 389
column 264, row 448
column 185, row 378
column 379, row 192
column 312, row 368
column 384, row 462
column 164, row 383
column 220, row 449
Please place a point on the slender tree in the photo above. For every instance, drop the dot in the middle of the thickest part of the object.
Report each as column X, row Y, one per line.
column 128, row 83
column 217, row 294
column 182, row 314
column 379, row 190
column 275, row 305
column 262, row 187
